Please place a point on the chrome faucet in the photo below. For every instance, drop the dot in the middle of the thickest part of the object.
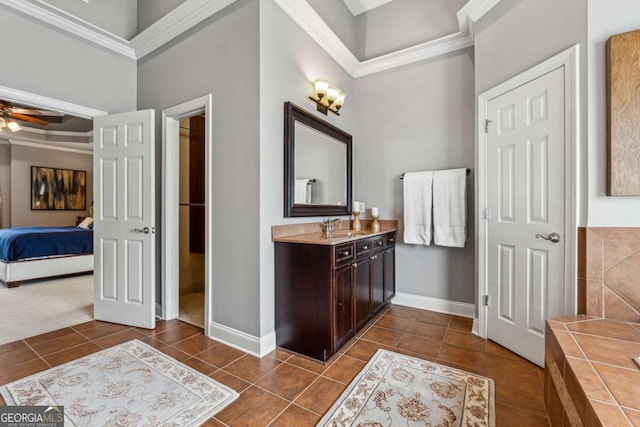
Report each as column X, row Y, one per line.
column 329, row 226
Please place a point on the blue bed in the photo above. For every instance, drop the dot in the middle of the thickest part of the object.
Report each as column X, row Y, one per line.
column 34, row 252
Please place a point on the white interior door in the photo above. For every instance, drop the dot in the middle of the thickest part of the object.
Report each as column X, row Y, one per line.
column 124, row 231
column 526, row 213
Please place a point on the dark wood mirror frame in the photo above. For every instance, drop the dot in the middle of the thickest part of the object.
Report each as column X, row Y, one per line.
column 293, row 113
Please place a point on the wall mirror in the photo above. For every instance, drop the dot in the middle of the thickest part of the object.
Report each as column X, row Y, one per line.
column 317, row 165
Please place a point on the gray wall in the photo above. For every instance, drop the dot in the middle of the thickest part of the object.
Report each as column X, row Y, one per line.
column 606, row 18
column 116, row 16
column 220, row 56
column 22, row 158
column 52, row 63
column 338, row 17
column 150, row 11
column 414, row 118
column 404, row 23
column 5, row 183
column 289, row 61
column 519, row 34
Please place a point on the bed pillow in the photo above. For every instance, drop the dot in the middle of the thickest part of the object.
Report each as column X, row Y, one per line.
column 86, row 223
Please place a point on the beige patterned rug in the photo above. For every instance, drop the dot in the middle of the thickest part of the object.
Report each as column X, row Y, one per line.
column 131, row 384
column 398, row 390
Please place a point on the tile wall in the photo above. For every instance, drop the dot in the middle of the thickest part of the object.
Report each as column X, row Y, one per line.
column 609, row 272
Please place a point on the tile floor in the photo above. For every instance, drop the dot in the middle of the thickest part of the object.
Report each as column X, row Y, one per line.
column 283, row 389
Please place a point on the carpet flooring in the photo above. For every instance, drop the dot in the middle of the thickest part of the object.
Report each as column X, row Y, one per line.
column 40, row 306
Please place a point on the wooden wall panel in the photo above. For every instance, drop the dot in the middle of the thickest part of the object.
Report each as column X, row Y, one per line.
column 623, row 105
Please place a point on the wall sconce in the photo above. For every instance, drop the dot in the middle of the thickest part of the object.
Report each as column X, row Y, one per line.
column 327, row 98
column 13, row 126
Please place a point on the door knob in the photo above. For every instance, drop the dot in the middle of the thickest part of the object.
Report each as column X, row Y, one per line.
column 142, row 230
column 553, row 237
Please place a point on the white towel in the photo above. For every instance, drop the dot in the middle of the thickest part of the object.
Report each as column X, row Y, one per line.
column 450, row 207
column 302, row 192
column 417, row 207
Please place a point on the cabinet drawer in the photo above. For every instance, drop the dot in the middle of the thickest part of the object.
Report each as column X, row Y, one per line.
column 363, row 247
column 390, row 238
column 343, row 253
column 377, row 242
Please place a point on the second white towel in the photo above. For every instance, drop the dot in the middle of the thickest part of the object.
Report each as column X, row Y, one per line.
column 450, row 207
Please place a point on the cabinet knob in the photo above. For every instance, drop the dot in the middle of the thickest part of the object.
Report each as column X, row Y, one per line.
column 364, row 248
column 345, row 253
column 355, row 264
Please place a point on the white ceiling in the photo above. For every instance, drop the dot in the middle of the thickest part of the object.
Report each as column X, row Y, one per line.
column 360, row 6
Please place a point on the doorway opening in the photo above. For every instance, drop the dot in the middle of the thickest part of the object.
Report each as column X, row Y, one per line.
column 514, row 277
column 191, row 219
column 186, row 244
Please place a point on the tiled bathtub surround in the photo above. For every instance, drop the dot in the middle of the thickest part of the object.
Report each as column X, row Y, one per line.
column 591, row 379
column 609, row 273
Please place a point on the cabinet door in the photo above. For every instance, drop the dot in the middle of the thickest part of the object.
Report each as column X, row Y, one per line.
column 389, row 273
column 343, row 306
column 362, row 274
column 377, row 281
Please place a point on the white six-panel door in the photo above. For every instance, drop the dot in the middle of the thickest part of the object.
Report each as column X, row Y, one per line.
column 525, row 199
column 124, row 230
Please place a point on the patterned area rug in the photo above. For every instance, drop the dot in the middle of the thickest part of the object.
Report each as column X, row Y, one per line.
column 398, row 390
column 127, row 385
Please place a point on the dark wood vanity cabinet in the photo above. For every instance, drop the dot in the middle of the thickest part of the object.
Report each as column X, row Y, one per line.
column 372, row 277
column 324, row 294
column 343, row 307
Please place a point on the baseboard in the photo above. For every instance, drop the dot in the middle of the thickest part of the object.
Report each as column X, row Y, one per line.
column 435, row 304
column 475, row 329
column 258, row 347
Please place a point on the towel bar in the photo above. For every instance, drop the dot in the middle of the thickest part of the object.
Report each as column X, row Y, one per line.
column 468, row 172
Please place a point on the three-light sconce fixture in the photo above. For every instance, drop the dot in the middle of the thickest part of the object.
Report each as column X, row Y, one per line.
column 327, row 97
column 12, row 125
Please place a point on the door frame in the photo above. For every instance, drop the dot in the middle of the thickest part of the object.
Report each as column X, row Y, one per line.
column 170, row 197
column 569, row 60
column 47, row 103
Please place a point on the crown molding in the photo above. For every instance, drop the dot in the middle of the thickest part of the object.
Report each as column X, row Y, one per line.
column 176, row 22
column 413, row 54
column 309, row 20
column 356, row 7
column 47, row 132
column 73, row 25
column 59, row 146
column 471, row 12
column 192, row 12
column 184, row 17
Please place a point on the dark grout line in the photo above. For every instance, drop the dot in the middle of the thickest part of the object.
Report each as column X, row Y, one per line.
column 339, row 355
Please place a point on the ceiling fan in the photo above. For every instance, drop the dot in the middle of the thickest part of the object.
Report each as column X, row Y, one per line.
column 40, row 117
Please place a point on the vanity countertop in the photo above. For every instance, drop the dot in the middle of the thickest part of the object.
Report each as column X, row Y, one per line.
column 311, row 234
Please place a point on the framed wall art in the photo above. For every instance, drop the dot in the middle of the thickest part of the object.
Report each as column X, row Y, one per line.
column 58, row 189
column 623, row 114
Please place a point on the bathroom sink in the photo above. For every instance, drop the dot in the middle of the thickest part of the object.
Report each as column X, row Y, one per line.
column 347, row 234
